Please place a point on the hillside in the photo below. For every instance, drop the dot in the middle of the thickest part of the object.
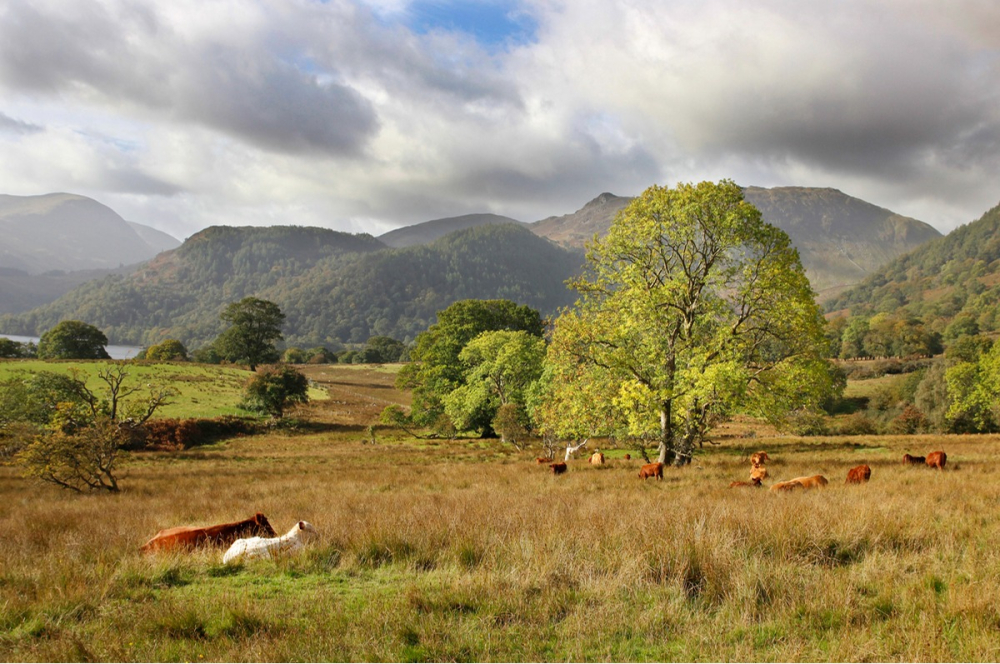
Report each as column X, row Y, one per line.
column 840, row 238
column 333, row 287
column 428, row 231
column 69, row 232
column 20, row 291
column 952, row 281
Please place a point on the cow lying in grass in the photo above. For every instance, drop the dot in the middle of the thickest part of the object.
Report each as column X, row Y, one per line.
column 859, row 474
column 811, row 482
column 269, row 547
column 224, row 534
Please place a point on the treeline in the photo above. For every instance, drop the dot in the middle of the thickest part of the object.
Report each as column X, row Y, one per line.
column 335, row 288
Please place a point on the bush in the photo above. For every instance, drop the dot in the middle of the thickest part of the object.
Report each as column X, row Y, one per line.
column 857, row 424
column 806, row 423
column 79, row 461
column 274, row 388
column 910, row 421
column 171, row 434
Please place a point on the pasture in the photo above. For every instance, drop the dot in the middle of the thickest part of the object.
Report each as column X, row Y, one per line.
column 467, row 550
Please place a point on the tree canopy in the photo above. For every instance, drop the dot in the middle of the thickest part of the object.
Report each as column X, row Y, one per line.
column 691, row 308
column 73, row 340
column 254, row 326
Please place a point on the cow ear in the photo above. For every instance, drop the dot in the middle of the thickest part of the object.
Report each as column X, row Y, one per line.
column 302, row 525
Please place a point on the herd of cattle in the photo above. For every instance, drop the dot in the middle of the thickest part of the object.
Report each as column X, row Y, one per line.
column 758, row 471
column 255, row 538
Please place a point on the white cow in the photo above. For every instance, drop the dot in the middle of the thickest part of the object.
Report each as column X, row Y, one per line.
column 269, row 547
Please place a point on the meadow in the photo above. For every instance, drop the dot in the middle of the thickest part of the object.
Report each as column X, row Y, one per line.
column 438, row 550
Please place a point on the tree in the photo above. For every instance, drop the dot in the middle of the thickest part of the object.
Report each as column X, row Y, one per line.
column 167, row 350
column 13, row 349
column 81, row 460
column 385, row 349
column 435, row 369
column 254, row 326
column 692, row 308
column 73, row 340
column 498, row 369
column 274, row 388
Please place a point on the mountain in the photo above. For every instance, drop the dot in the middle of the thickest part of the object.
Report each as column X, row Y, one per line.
column 952, row 284
column 20, row 291
column 68, row 232
column 578, row 228
column 333, row 287
column 158, row 240
column 840, row 238
column 428, row 231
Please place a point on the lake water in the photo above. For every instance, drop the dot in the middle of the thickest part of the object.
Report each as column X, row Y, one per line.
column 116, row 352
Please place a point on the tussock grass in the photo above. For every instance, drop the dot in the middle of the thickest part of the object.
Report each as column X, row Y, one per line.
column 455, row 550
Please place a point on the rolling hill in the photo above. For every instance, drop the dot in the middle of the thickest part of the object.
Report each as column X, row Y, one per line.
column 428, row 231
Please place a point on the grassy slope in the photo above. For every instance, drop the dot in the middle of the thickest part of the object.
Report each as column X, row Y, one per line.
column 444, row 550
column 202, row 390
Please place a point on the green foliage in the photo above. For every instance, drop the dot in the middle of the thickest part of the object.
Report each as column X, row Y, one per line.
column 170, row 350
column 437, row 369
column 73, row 340
column 82, row 460
column 498, row 369
column 274, row 388
column 15, row 349
column 254, row 326
column 382, row 349
column 692, row 308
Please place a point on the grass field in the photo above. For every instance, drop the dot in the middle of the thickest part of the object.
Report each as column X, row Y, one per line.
column 201, row 390
column 466, row 550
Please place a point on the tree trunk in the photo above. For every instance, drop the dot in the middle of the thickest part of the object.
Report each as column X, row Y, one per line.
column 666, row 456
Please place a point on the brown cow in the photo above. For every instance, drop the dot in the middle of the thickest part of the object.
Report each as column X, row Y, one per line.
column 913, row 460
column 752, row 483
column 190, row 537
column 812, row 482
column 597, row 459
column 628, row 457
column 790, row 485
column 859, row 474
column 758, row 473
column 651, row 470
column 541, row 460
column 558, row 468
column 758, row 458
column 937, row 460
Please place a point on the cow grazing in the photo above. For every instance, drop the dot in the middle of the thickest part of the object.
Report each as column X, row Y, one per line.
column 651, row 470
column 541, row 460
column 190, row 537
column 597, row 459
column 859, row 474
column 758, row 473
column 269, row 547
column 937, row 460
column 752, row 483
column 790, row 485
column 913, row 460
column 558, row 468
column 758, row 458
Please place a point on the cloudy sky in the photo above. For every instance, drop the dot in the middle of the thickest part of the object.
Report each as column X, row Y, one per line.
column 365, row 115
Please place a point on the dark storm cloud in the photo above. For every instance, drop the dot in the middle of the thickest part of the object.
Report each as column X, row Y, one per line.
column 132, row 58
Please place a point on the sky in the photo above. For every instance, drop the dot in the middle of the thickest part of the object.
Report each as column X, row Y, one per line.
column 367, row 115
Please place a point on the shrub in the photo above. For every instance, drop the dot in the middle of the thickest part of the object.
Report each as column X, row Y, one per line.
column 82, row 460
column 171, row 434
column 274, row 388
column 857, row 424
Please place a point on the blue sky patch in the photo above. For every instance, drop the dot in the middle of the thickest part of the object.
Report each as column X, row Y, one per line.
column 493, row 23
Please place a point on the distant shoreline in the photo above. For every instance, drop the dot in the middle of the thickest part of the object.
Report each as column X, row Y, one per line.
column 116, row 352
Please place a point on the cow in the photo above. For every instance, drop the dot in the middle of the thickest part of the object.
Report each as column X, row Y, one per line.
column 190, row 537
column 269, row 547
column 812, row 482
column 913, row 460
column 654, row 469
column 628, row 457
column 758, row 458
column 597, row 459
column 937, row 460
column 758, row 473
column 542, row 460
column 859, row 474
column 752, row 483
column 558, row 468
column 790, row 485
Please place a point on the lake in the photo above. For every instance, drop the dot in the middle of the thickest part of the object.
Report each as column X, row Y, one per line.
column 116, row 352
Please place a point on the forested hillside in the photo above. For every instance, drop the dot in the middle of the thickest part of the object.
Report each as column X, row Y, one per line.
column 951, row 284
column 333, row 287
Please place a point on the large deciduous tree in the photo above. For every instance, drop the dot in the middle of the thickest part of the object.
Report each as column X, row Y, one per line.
column 436, row 369
column 254, row 326
column 73, row 340
column 691, row 308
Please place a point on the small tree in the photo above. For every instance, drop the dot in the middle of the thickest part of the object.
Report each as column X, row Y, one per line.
column 254, row 326
column 73, row 340
column 274, row 388
column 167, row 351
column 78, row 461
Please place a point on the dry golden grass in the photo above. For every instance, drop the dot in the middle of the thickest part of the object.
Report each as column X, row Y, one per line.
column 464, row 550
